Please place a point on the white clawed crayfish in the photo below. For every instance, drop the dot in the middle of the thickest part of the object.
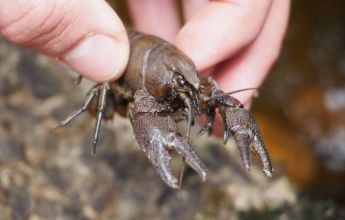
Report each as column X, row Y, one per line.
column 160, row 83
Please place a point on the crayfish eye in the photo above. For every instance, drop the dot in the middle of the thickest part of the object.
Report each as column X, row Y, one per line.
column 181, row 82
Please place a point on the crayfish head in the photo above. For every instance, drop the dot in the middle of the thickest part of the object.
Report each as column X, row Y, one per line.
column 180, row 85
column 189, row 73
column 171, row 73
column 182, row 90
column 181, row 64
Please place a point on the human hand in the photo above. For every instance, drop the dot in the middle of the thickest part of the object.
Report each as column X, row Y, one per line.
column 246, row 39
column 86, row 35
column 235, row 41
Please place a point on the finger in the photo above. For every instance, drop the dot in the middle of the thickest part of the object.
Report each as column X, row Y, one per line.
column 159, row 18
column 190, row 7
column 251, row 66
column 220, row 29
column 86, row 35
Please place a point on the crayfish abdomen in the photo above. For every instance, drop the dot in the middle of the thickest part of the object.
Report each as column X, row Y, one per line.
column 159, row 83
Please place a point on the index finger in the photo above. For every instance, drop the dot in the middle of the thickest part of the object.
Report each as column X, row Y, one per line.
column 220, row 29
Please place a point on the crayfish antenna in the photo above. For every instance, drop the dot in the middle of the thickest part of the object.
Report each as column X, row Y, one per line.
column 241, row 90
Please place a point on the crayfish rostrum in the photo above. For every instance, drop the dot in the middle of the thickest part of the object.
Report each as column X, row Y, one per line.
column 161, row 87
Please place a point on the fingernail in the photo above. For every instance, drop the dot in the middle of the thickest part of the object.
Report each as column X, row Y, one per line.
column 98, row 57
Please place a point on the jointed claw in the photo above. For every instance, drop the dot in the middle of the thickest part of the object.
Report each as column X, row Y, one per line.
column 158, row 135
column 241, row 125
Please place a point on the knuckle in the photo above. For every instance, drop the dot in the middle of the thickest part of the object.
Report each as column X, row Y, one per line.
column 17, row 29
column 38, row 26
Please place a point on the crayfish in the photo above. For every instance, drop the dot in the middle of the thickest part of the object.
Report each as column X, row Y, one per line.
column 159, row 88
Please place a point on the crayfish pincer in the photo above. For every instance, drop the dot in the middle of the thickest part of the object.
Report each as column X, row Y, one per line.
column 161, row 87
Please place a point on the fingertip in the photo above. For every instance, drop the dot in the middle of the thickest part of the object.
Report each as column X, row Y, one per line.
column 98, row 57
column 220, row 29
column 250, row 67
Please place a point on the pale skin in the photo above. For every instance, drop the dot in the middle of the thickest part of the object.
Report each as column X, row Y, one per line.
column 235, row 41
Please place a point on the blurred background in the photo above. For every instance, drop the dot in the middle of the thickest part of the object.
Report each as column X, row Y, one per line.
column 49, row 174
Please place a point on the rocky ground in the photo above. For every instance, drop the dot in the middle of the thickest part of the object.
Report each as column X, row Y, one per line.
column 50, row 174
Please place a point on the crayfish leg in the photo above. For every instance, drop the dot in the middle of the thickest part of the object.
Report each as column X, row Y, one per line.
column 100, row 91
column 101, row 105
column 91, row 95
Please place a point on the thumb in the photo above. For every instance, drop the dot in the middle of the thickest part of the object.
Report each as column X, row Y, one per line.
column 86, row 35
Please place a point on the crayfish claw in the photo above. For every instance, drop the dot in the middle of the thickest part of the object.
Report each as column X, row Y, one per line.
column 160, row 160
column 226, row 135
column 158, row 135
column 181, row 146
column 261, row 155
column 242, row 140
column 209, row 124
column 245, row 130
column 152, row 141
